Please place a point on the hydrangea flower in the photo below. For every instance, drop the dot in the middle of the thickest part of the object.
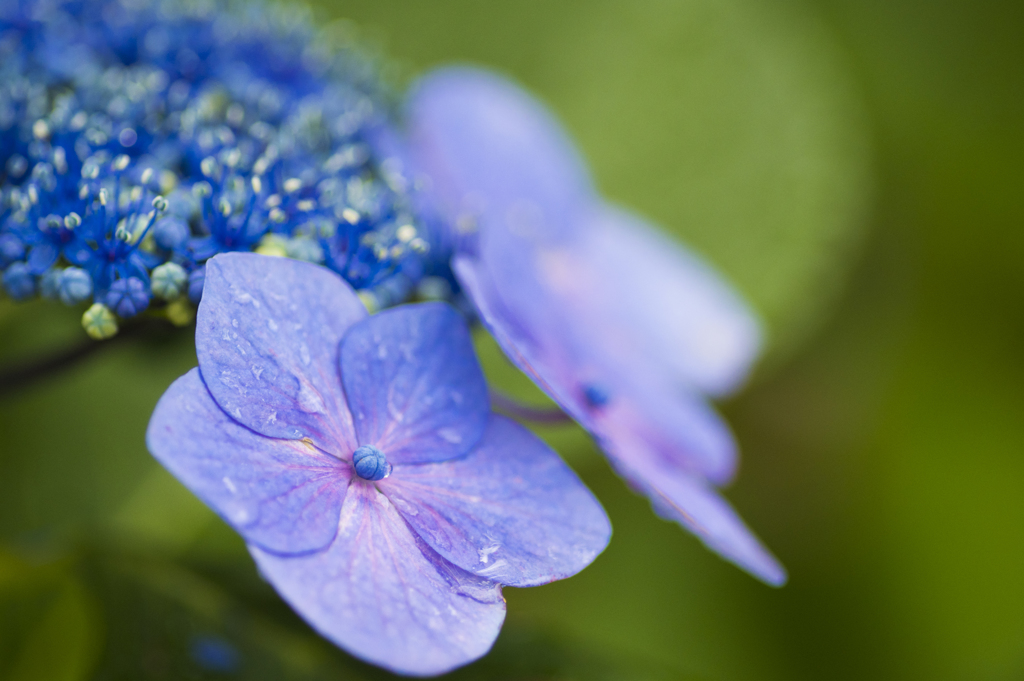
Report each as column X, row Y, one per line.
column 358, row 457
column 252, row 130
column 624, row 329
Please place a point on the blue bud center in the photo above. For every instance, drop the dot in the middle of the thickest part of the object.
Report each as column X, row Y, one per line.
column 370, row 463
column 595, row 395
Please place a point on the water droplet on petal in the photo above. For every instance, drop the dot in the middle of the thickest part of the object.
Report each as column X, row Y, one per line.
column 450, row 435
column 309, row 399
column 485, row 553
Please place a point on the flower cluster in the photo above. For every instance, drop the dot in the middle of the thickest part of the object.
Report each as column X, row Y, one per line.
column 139, row 139
column 154, row 153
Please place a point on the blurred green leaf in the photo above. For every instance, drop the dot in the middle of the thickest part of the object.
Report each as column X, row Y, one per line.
column 73, row 444
column 49, row 624
column 159, row 613
column 737, row 126
column 163, row 511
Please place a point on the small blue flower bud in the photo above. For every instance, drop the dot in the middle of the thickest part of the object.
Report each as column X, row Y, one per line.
column 393, row 290
column 215, row 655
column 171, row 233
column 17, row 165
column 19, row 282
column 196, row 278
column 304, row 248
column 168, row 280
column 99, row 322
column 74, row 286
column 11, row 249
column 127, row 297
column 49, row 284
column 128, row 137
column 370, row 463
column 182, row 203
column 434, row 288
column 595, row 396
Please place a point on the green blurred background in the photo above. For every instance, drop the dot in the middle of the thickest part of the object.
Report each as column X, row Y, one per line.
column 855, row 166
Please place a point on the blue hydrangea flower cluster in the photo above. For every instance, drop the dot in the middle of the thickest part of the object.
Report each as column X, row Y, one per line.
column 140, row 138
column 154, row 153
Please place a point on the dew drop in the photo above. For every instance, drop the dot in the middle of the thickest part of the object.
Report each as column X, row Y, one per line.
column 450, row 435
column 485, row 553
column 310, row 401
column 493, row 569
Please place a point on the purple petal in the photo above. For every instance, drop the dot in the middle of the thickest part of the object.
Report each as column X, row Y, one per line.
column 559, row 365
column 563, row 322
column 413, row 383
column 664, row 308
column 534, row 346
column 690, row 442
column 653, row 436
column 381, row 594
column 267, row 337
column 283, row 495
column 682, row 495
column 510, row 511
column 494, row 153
column 687, row 432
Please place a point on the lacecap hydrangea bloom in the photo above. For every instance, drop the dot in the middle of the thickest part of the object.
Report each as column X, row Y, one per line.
column 624, row 329
column 359, row 458
column 138, row 138
column 154, row 153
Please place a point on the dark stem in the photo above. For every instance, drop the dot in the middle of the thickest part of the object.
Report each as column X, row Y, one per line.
column 23, row 373
column 524, row 412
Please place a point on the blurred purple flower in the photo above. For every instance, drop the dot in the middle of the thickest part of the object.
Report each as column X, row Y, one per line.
column 624, row 329
column 400, row 557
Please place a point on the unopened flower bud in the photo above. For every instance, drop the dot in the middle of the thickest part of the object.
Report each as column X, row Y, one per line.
column 99, row 322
